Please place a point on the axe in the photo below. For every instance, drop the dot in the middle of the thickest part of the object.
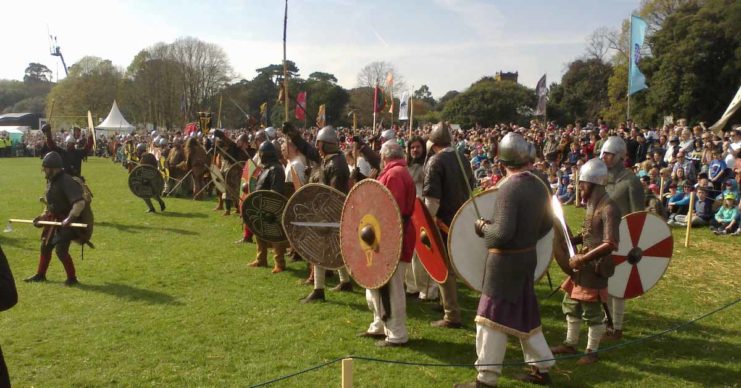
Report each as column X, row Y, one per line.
column 9, row 226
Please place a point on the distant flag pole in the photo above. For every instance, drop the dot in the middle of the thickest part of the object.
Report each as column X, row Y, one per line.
column 375, row 107
column 636, row 79
column 285, row 62
column 411, row 113
column 390, row 87
column 218, row 119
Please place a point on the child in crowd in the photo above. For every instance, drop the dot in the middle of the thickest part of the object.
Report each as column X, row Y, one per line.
column 726, row 220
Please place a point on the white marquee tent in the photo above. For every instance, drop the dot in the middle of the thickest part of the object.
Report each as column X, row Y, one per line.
column 115, row 122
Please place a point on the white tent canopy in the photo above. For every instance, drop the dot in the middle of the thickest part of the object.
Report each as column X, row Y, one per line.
column 115, row 121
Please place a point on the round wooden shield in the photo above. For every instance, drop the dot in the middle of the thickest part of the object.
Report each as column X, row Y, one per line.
column 428, row 243
column 217, row 178
column 248, row 182
column 371, row 234
column 311, row 221
column 643, row 254
column 146, row 181
column 262, row 211
column 232, row 180
column 468, row 252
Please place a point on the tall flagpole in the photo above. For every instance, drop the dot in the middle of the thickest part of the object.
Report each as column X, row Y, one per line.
column 285, row 63
column 411, row 113
column 375, row 103
column 630, row 50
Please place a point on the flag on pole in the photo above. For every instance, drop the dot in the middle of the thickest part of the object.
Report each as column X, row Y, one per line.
column 321, row 116
column 264, row 114
column 390, row 89
column 378, row 101
column 281, row 95
column 636, row 79
column 404, row 106
column 732, row 108
column 542, row 91
column 301, row 106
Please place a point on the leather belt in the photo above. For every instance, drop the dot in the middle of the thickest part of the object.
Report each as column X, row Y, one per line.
column 509, row 251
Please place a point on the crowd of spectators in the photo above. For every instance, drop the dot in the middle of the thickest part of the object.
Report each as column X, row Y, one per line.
column 672, row 161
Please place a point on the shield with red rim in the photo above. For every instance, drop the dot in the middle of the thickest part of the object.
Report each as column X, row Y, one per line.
column 428, row 243
column 643, row 254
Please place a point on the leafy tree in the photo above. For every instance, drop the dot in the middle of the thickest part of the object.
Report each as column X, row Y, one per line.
column 36, row 72
column 445, row 98
column 424, row 94
column 92, row 84
column 275, row 71
column 488, row 102
column 583, row 90
column 321, row 76
column 695, row 68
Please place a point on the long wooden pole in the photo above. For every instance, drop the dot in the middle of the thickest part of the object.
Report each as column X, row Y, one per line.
column 51, row 223
column 347, row 373
column 218, row 119
column 285, row 63
column 689, row 220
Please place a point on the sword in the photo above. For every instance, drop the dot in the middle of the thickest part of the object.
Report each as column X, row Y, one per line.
column 558, row 213
column 317, row 224
column 9, row 227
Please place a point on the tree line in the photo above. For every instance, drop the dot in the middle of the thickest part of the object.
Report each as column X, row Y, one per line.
column 692, row 63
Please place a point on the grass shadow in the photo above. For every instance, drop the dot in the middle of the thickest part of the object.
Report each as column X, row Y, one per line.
column 137, row 228
column 130, row 293
column 170, row 214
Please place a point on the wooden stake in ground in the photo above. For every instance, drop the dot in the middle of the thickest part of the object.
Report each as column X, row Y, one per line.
column 347, row 373
column 689, row 220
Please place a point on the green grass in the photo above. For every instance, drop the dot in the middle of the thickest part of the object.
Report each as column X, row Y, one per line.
column 167, row 300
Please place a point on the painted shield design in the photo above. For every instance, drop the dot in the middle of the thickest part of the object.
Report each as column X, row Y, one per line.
column 248, row 182
column 643, row 254
column 146, row 181
column 311, row 221
column 262, row 211
column 428, row 243
column 217, row 178
column 468, row 252
column 370, row 234
column 232, row 180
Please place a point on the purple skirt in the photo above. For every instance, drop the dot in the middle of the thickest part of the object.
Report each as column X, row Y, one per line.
column 521, row 319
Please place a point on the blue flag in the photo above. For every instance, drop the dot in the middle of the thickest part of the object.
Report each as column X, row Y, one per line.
column 636, row 79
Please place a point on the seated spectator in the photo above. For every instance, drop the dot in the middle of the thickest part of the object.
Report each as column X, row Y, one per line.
column 702, row 211
column 679, row 203
column 726, row 220
column 569, row 196
column 730, row 187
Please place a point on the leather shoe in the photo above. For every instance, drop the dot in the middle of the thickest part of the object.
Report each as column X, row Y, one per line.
column 315, row 296
column 71, row 282
column 563, row 349
column 536, row 377
column 386, row 344
column 35, row 278
column 614, row 335
column 446, row 324
column 257, row 264
column 588, row 359
column 343, row 287
column 365, row 334
column 277, row 269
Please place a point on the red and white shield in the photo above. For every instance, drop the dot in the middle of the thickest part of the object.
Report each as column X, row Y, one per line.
column 643, row 254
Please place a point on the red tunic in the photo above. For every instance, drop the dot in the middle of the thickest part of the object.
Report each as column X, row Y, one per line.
column 395, row 176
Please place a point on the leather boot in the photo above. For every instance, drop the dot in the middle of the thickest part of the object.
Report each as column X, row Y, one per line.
column 614, row 335
column 257, row 263
column 588, row 359
column 536, row 377
column 278, row 268
column 563, row 349
column 35, row 278
column 315, row 296
column 343, row 287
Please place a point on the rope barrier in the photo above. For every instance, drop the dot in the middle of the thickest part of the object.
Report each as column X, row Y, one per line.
column 517, row 363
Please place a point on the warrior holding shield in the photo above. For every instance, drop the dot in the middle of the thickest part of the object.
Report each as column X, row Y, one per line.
column 586, row 286
column 508, row 305
column 626, row 190
column 148, row 159
column 329, row 167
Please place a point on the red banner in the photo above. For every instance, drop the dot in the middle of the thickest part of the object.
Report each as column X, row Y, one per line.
column 378, row 100
column 301, row 106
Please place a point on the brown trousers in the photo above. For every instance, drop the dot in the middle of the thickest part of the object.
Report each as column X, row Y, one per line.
column 278, row 248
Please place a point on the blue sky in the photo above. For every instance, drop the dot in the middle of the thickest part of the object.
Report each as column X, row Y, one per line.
column 446, row 44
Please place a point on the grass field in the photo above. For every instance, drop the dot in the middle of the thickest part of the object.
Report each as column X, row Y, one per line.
column 167, row 300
